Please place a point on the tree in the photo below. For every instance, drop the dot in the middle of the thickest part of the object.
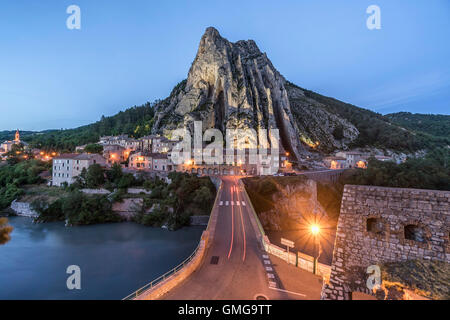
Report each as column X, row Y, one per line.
column 115, row 173
column 93, row 148
column 5, row 230
column 203, row 197
column 95, row 176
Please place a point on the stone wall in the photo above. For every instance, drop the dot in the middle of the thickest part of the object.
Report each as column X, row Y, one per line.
column 23, row 209
column 199, row 220
column 380, row 225
column 127, row 208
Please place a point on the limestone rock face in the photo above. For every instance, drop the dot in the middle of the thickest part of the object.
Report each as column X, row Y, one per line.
column 235, row 86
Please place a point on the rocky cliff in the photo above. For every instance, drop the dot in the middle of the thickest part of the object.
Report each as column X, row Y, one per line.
column 234, row 85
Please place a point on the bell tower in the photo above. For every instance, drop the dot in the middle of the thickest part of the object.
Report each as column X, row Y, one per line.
column 17, row 137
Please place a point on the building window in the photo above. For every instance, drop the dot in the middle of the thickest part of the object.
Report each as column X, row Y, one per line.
column 375, row 225
column 414, row 232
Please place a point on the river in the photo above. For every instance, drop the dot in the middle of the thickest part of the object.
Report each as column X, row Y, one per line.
column 115, row 259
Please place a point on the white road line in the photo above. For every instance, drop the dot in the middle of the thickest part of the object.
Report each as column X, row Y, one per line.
column 269, row 269
column 272, row 284
column 266, row 261
column 232, row 203
column 243, row 203
column 237, row 203
column 226, row 203
column 270, row 276
column 221, row 203
column 287, row 291
column 265, row 256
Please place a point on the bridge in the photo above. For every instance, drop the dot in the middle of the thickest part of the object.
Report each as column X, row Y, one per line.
column 231, row 262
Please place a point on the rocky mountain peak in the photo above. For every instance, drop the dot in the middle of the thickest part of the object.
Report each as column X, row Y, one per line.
column 234, row 85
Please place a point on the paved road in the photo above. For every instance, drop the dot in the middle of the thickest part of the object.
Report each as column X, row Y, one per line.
column 243, row 270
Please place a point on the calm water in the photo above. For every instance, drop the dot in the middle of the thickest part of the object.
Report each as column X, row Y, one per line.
column 115, row 259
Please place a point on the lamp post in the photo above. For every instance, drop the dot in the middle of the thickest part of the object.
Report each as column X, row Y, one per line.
column 315, row 229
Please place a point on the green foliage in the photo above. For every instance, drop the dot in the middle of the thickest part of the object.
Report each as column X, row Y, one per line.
column 5, row 231
column 95, row 176
column 174, row 203
column 135, row 121
column 13, row 177
column 94, row 148
column 78, row 209
column 431, row 172
column 435, row 124
column 375, row 129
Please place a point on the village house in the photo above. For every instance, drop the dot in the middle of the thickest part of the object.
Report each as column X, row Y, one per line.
column 144, row 160
column 353, row 159
column 115, row 154
column 161, row 162
column 141, row 160
column 335, row 162
column 68, row 166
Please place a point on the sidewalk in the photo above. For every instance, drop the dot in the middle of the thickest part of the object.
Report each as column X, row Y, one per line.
column 296, row 280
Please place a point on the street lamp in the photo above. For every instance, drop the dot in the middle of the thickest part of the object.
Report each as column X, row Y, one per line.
column 315, row 230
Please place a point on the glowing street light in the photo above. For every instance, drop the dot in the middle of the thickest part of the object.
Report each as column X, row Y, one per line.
column 315, row 229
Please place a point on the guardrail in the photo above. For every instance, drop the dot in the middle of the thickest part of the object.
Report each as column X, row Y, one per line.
column 179, row 267
column 163, row 277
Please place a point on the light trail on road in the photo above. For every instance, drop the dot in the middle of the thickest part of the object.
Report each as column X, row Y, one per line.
column 242, row 222
column 232, row 223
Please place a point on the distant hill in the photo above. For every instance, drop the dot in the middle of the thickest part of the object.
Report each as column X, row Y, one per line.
column 136, row 121
column 9, row 134
column 434, row 124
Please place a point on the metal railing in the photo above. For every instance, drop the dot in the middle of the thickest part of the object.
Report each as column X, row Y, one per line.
column 164, row 276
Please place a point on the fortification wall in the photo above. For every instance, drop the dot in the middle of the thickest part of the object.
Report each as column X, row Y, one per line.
column 378, row 225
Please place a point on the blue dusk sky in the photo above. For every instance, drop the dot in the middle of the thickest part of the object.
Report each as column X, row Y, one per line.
column 130, row 52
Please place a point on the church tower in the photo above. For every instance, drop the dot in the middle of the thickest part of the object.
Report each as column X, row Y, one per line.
column 17, row 137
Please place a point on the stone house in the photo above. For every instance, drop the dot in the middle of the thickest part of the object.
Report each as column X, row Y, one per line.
column 335, row 162
column 68, row 166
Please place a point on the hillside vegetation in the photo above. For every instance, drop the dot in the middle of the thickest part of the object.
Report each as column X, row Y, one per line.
column 434, row 124
column 377, row 130
column 136, row 121
column 430, row 172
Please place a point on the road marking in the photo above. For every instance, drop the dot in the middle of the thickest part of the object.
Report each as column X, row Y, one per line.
column 226, row 203
column 232, row 228
column 287, row 291
column 266, row 261
column 237, row 203
column 272, row 284
column 232, row 203
column 269, row 269
column 243, row 203
column 270, row 276
column 265, row 256
column 221, row 203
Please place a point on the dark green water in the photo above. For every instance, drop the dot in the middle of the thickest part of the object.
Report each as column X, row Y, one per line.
column 115, row 259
